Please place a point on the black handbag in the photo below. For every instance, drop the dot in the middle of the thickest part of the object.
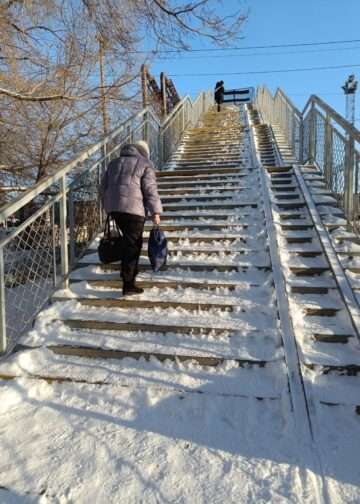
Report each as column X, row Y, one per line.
column 111, row 245
column 157, row 248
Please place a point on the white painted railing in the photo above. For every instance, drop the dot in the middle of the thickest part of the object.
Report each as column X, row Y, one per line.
column 37, row 256
column 321, row 136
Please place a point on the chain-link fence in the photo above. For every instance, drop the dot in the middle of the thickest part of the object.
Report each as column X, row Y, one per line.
column 62, row 215
column 30, row 261
column 320, row 135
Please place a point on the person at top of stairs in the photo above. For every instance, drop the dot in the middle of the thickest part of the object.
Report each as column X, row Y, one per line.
column 219, row 94
column 129, row 191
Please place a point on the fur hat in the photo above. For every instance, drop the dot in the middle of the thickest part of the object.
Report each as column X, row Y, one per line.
column 143, row 148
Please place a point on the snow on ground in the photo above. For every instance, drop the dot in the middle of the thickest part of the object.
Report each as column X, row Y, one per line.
column 143, row 445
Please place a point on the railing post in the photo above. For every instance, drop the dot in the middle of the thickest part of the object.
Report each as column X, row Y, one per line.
column 3, row 338
column 328, row 152
column 145, row 130
column 293, row 133
column 54, row 244
column 72, row 228
column 349, row 179
column 301, row 141
column 63, row 235
column 129, row 134
column 161, row 153
column 101, row 170
column 312, row 135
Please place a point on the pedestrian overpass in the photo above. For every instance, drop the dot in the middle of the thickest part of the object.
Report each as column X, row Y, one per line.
column 258, row 304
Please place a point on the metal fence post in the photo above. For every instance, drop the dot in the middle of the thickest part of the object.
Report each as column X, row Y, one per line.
column 328, row 152
column 54, row 244
column 101, row 170
column 301, row 141
column 160, row 147
column 293, row 135
column 356, row 192
column 3, row 339
column 72, row 229
column 349, row 179
column 63, row 235
column 145, row 129
column 312, row 135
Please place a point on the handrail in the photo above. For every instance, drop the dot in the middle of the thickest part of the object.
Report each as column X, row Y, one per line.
column 288, row 100
column 321, row 136
column 314, row 99
column 12, row 207
column 176, row 108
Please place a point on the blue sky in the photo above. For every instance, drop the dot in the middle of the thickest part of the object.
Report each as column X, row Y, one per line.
column 280, row 22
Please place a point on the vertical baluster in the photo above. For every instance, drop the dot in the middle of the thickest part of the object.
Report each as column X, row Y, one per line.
column 54, row 243
column 349, row 178
column 63, row 235
column 312, row 134
column 328, row 152
column 3, row 336
column 301, row 140
column 72, row 228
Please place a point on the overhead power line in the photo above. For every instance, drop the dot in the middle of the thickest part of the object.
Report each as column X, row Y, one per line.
column 287, row 70
column 278, row 53
column 244, row 48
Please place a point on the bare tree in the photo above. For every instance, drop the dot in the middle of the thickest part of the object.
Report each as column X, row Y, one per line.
column 53, row 101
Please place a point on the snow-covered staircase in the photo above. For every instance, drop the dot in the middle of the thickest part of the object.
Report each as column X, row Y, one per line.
column 213, row 304
column 217, row 275
column 196, row 384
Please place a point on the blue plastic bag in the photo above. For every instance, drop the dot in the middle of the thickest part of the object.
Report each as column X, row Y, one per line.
column 157, row 249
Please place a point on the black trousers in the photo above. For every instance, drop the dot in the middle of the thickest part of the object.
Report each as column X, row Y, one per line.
column 132, row 228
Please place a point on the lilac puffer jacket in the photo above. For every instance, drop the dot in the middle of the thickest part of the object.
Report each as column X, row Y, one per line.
column 129, row 184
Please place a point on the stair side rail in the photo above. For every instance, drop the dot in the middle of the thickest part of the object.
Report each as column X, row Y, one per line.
column 333, row 144
column 321, row 136
column 281, row 111
column 60, row 216
column 186, row 114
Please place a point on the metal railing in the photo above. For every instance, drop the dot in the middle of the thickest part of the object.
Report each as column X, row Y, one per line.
column 184, row 115
column 281, row 111
column 65, row 215
column 321, row 136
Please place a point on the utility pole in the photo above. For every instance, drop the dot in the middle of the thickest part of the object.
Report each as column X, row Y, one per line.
column 102, row 87
column 349, row 89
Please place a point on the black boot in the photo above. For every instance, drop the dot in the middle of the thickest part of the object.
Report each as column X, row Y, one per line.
column 129, row 288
